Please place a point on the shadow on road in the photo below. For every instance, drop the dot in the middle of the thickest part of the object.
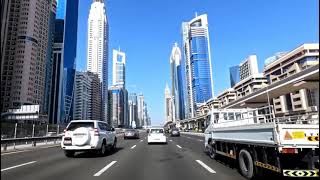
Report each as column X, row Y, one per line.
column 95, row 155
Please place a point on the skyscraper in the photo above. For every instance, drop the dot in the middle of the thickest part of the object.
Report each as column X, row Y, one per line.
column 117, row 107
column 67, row 14
column 234, row 72
column 97, row 54
column 133, row 110
column 95, row 96
column 168, row 105
column 196, row 48
column 82, row 96
column 177, row 82
column 141, row 110
column 24, row 57
column 119, row 67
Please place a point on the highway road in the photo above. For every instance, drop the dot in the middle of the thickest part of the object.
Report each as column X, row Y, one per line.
column 182, row 158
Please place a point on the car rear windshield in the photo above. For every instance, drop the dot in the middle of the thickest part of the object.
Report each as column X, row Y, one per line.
column 75, row 125
column 156, row 130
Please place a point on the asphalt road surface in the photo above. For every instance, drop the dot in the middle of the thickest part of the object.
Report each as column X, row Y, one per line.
column 182, row 158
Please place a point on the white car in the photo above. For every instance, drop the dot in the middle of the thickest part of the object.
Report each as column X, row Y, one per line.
column 88, row 135
column 156, row 135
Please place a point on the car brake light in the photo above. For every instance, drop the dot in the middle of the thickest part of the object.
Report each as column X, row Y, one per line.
column 96, row 132
column 289, row 151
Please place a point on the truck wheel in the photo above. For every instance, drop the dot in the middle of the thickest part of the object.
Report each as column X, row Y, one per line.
column 69, row 153
column 246, row 165
column 212, row 151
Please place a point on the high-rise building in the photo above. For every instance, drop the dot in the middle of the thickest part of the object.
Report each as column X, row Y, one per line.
column 177, row 82
column 246, row 68
column 117, row 106
column 67, row 13
column 82, row 96
column 198, row 71
column 119, row 67
column 133, row 110
column 97, row 54
column 49, row 63
column 5, row 4
column 24, row 53
column 57, row 72
column 168, row 105
column 141, row 110
column 96, row 101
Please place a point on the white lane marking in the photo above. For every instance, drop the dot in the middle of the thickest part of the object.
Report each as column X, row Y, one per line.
column 205, row 166
column 170, row 140
column 179, row 146
column 133, row 146
column 18, row 165
column 141, row 140
column 104, row 169
column 200, row 140
column 188, row 137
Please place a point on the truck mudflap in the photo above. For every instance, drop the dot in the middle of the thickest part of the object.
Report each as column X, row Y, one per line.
column 300, row 173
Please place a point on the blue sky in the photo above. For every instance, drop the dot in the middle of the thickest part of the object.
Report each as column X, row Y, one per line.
column 146, row 30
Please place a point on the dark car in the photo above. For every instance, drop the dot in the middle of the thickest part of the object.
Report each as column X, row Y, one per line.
column 131, row 133
column 175, row 132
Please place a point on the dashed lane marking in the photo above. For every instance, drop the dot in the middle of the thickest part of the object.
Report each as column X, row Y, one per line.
column 200, row 140
column 105, row 168
column 170, row 140
column 141, row 140
column 179, row 146
column 206, row 167
column 133, row 147
column 18, row 165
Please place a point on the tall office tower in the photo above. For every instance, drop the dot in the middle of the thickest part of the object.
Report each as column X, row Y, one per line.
column 82, row 96
column 49, row 64
column 196, row 50
column 246, row 68
column 119, row 67
column 5, row 4
column 140, row 110
column 97, row 56
column 67, row 16
column 177, row 82
column 117, row 107
column 168, row 105
column 95, row 96
column 24, row 57
column 57, row 72
column 133, row 110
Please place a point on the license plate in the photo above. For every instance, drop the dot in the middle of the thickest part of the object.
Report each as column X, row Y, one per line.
column 67, row 142
column 298, row 135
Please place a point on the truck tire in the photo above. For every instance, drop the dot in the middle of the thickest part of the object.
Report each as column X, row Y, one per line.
column 246, row 165
column 212, row 151
column 69, row 153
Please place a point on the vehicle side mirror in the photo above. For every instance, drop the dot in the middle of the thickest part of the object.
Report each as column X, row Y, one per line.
column 112, row 129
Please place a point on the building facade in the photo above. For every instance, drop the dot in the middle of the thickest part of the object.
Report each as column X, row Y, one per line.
column 96, row 96
column 97, row 52
column 281, row 66
column 24, row 54
column 168, row 105
column 133, row 110
column 250, row 85
column 82, row 97
column 141, row 110
column 246, row 68
column 118, row 116
column 119, row 68
column 196, row 50
column 177, row 82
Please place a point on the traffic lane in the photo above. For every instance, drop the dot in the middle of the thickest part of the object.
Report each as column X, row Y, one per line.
column 18, row 157
column 53, row 164
column 162, row 161
column 196, row 149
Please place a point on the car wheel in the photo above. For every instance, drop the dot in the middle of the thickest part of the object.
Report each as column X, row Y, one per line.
column 103, row 149
column 69, row 153
column 246, row 165
column 212, row 151
column 114, row 145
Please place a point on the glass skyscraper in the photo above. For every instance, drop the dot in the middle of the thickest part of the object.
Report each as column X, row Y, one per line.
column 67, row 10
column 196, row 48
column 234, row 75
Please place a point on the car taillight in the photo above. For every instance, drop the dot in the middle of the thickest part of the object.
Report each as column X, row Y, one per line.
column 96, row 132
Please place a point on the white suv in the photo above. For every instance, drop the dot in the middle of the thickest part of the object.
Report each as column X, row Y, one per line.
column 88, row 135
